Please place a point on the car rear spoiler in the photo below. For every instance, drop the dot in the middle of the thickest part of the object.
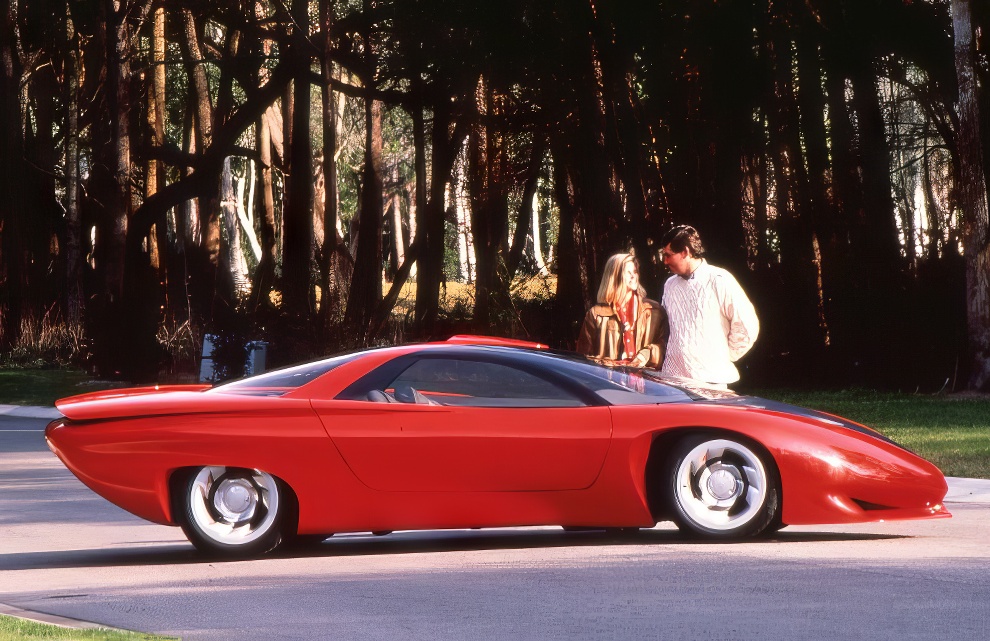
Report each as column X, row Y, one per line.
column 470, row 339
column 63, row 403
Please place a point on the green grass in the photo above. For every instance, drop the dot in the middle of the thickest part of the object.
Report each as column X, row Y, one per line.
column 953, row 432
column 45, row 386
column 14, row 629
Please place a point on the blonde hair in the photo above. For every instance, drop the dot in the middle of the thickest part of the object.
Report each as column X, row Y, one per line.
column 612, row 289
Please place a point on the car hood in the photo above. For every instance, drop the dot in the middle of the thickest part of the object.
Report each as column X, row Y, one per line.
column 777, row 407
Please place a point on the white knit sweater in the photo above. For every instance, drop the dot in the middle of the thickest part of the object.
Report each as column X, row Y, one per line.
column 712, row 324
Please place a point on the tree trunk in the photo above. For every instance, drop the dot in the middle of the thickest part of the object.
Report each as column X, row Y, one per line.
column 154, row 172
column 573, row 287
column 973, row 201
column 541, row 263
column 228, row 206
column 795, row 297
column 460, row 203
column 623, row 138
column 264, row 275
column 205, row 259
column 446, row 140
column 264, row 213
column 845, row 309
column 73, row 234
column 202, row 110
column 395, row 209
column 13, row 208
column 486, row 168
column 811, row 101
column 878, row 234
column 118, row 74
column 333, row 254
column 366, row 284
column 528, row 211
column 41, row 288
column 297, row 242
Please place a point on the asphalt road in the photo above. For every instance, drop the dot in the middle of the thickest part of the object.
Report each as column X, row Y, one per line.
column 64, row 551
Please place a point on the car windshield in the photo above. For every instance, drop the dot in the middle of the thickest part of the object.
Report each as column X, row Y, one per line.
column 281, row 381
column 621, row 385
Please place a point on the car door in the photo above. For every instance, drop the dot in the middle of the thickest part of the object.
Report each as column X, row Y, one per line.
column 456, row 425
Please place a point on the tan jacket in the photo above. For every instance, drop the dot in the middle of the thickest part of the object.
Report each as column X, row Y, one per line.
column 601, row 335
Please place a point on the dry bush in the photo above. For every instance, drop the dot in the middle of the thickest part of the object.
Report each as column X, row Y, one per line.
column 46, row 341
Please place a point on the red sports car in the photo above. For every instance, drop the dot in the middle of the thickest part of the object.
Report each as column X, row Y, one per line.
column 477, row 432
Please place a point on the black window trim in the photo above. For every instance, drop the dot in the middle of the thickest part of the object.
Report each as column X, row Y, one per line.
column 380, row 377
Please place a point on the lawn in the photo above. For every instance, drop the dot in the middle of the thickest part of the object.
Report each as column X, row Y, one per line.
column 14, row 629
column 952, row 431
column 44, row 386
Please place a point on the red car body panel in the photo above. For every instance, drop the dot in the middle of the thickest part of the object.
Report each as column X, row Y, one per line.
column 361, row 466
column 423, row 448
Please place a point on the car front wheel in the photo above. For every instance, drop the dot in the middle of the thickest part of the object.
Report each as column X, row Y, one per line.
column 233, row 511
column 723, row 487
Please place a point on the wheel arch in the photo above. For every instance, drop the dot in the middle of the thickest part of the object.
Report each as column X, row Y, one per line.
column 663, row 442
column 178, row 478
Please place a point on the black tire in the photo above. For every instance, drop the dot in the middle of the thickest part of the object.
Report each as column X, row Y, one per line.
column 233, row 512
column 722, row 486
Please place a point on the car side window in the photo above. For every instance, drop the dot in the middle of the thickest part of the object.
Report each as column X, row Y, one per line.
column 447, row 381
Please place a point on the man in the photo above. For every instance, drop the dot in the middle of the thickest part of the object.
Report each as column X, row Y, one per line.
column 712, row 322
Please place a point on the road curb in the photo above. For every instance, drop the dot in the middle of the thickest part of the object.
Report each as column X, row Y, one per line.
column 29, row 411
column 52, row 619
column 967, row 490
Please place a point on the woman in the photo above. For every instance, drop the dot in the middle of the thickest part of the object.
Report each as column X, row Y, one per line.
column 625, row 327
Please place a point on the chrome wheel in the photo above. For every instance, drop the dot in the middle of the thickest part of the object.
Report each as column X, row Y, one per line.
column 722, row 487
column 233, row 510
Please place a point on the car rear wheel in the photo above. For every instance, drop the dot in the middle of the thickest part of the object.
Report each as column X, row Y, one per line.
column 233, row 511
column 723, row 487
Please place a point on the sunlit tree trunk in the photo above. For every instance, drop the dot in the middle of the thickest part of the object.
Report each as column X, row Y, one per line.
column 459, row 202
column 395, row 209
column 527, row 218
column 154, row 173
column 73, row 234
column 264, row 212
column 972, row 200
column 264, row 275
column 541, row 263
column 187, row 224
column 228, row 207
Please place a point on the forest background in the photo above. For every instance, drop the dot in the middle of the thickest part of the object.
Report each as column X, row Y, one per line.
column 326, row 174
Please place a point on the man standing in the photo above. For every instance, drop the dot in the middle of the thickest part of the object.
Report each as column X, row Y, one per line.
column 712, row 322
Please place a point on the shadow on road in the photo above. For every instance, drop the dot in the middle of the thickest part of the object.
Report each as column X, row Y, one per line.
column 402, row 543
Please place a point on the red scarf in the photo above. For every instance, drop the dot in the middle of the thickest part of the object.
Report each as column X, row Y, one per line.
column 627, row 319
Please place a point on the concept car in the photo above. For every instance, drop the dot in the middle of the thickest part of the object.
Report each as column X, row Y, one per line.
column 477, row 432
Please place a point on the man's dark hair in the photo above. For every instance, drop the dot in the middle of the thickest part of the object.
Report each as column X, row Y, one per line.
column 681, row 237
